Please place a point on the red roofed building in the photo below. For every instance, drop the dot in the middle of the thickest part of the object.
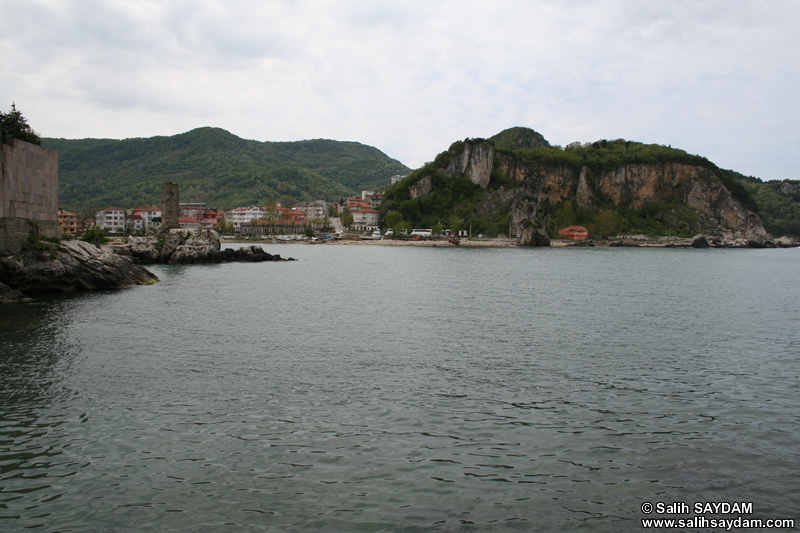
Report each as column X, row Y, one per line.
column 188, row 222
column 365, row 218
column 574, row 233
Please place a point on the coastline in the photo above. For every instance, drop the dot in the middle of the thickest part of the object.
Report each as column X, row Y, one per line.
column 482, row 243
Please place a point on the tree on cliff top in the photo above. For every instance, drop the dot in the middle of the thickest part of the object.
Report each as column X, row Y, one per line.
column 14, row 126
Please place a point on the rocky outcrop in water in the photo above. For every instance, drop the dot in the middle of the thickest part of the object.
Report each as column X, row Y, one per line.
column 178, row 246
column 68, row 266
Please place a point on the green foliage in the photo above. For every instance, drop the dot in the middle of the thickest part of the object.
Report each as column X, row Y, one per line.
column 450, row 197
column 779, row 205
column 565, row 215
column 395, row 221
column 518, row 139
column 14, row 126
column 92, row 234
column 607, row 223
column 211, row 165
column 308, row 231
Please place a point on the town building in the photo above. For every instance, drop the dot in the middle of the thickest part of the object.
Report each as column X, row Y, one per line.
column 365, row 218
column 243, row 215
column 211, row 218
column 373, row 198
column 134, row 223
column 574, row 233
column 193, row 210
column 151, row 216
column 68, row 221
column 110, row 219
column 188, row 223
column 317, row 209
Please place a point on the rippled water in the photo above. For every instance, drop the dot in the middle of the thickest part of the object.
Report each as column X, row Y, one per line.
column 368, row 388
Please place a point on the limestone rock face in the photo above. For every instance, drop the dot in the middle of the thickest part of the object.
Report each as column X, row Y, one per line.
column 422, row 188
column 688, row 196
column 476, row 162
column 69, row 267
column 717, row 211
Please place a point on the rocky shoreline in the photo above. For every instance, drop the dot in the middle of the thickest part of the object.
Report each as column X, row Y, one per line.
column 699, row 241
column 72, row 266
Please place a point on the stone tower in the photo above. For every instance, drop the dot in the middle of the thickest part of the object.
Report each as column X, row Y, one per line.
column 170, row 209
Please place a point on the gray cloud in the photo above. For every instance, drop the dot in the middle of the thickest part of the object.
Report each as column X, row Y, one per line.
column 717, row 78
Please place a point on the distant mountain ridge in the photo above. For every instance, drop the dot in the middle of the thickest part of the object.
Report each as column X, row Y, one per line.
column 214, row 166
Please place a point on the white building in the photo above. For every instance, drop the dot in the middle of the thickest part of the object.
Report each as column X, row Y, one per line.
column 134, row 223
column 151, row 216
column 316, row 209
column 243, row 215
column 110, row 219
column 365, row 218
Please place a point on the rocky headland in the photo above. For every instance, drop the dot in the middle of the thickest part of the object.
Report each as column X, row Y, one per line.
column 68, row 266
column 616, row 185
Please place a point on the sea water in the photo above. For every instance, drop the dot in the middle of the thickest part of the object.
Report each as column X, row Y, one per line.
column 374, row 388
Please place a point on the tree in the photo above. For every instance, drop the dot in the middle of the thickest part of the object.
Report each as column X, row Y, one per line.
column 565, row 215
column 347, row 218
column 395, row 221
column 609, row 222
column 14, row 126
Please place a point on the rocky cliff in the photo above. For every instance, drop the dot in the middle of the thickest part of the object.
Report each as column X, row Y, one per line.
column 644, row 185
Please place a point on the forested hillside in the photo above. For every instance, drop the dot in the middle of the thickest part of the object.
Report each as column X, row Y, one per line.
column 214, row 166
column 778, row 203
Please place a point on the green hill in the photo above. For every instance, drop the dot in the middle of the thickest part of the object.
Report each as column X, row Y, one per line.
column 214, row 166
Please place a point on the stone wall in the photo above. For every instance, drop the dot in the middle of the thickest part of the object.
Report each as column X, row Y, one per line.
column 29, row 182
column 170, row 205
column 28, row 194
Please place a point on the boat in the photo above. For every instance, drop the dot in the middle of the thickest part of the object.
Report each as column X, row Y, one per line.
column 453, row 240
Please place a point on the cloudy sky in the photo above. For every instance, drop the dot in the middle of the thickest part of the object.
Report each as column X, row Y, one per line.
column 719, row 78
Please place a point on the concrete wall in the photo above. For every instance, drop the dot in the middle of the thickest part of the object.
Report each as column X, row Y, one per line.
column 28, row 194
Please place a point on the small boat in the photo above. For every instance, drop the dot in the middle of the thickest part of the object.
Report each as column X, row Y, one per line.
column 453, row 240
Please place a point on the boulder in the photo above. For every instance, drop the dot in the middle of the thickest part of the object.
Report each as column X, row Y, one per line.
column 700, row 242
column 787, row 242
column 9, row 295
